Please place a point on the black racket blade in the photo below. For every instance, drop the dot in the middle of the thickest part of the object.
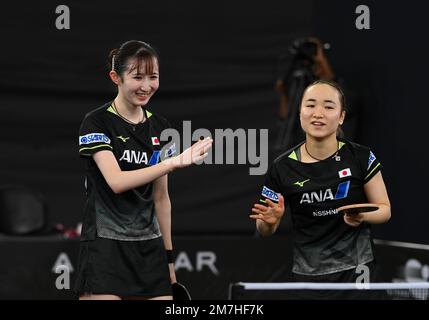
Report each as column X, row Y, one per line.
column 180, row 292
column 359, row 209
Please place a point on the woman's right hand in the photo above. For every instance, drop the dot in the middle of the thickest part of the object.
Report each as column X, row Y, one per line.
column 197, row 152
column 270, row 214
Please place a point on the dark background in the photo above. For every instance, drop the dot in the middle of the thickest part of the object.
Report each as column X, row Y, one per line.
column 218, row 68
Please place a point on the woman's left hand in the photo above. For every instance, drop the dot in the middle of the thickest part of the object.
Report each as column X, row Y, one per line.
column 353, row 219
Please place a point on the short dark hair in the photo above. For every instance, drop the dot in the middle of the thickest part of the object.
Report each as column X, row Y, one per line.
column 142, row 51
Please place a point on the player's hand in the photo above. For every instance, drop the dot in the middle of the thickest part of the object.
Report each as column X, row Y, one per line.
column 353, row 220
column 198, row 151
column 351, row 215
column 270, row 214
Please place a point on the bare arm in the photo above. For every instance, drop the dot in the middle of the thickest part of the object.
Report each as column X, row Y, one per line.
column 376, row 193
column 120, row 181
column 163, row 212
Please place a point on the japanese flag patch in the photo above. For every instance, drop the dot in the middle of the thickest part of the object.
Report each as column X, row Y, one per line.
column 155, row 141
column 345, row 173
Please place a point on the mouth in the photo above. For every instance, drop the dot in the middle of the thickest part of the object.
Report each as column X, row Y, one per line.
column 317, row 123
column 142, row 95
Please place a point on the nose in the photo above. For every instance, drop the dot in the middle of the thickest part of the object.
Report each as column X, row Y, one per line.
column 318, row 112
column 145, row 84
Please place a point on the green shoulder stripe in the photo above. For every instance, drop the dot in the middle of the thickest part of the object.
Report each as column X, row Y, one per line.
column 95, row 147
column 378, row 164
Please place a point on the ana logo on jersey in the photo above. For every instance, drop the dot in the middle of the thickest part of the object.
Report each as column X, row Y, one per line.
column 325, row 195
column 139, row 157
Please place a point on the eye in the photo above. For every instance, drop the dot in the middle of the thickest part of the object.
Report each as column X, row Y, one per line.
column 310, row 105
column 329, row 107
column 137, row 77
column 154, row 77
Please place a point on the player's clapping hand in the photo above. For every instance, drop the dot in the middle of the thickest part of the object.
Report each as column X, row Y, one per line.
column 271, row 213
column 197, row 152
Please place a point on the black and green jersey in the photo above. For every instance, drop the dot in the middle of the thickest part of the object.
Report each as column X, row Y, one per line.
column 131, row 214
column 323, row 242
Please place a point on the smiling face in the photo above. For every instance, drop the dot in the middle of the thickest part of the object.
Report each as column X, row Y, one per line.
column 321, row 111
column 139, row 82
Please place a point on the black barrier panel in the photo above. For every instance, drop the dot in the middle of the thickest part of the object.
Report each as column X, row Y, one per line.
column 37, row 267
column 206, row 265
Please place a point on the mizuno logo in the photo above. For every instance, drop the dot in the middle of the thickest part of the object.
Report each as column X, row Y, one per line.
column 301, row 183
column 124, row 139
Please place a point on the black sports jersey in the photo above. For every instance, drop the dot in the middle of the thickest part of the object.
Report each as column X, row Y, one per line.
column 131, row 214
column 323, row 242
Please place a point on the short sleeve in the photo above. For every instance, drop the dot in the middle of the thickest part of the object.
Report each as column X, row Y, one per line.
column 168, row 148
column 372, row 165
column 271, row 186
column 93, row 137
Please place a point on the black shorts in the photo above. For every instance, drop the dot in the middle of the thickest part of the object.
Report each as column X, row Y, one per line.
column 123, row 268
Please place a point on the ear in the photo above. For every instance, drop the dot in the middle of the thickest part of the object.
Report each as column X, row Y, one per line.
column 342, row 117
column 116, row 79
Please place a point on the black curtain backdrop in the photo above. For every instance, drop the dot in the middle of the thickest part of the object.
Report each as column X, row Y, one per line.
column 387, row 67
column 218, row 68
